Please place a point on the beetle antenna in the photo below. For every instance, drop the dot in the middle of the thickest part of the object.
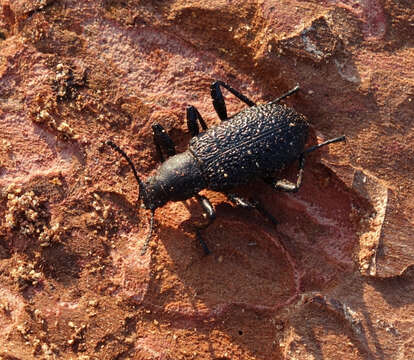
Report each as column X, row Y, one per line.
column 141, row 188
column 131, row 164
column 148, row 238
column 313, row 148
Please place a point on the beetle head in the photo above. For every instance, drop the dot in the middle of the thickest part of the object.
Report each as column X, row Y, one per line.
column 152, row 194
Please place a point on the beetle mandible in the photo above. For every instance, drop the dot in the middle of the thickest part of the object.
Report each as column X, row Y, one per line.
column 254, row 143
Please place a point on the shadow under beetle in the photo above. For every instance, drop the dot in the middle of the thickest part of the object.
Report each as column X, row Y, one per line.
column 253, row 143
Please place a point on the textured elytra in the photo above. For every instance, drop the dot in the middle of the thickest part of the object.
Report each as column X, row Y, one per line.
column 253, row 143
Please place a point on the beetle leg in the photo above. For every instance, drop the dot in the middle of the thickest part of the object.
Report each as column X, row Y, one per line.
column 286, row 185
column 192, row 116
column 330, row 141
column 251, row 205
column 211, row 216
column 218, row 99
column 162, row 141
column 285, row 95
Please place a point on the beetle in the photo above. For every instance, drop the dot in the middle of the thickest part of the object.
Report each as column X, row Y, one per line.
column 254, row 143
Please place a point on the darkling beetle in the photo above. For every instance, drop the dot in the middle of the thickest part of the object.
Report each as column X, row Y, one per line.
column 253, row 143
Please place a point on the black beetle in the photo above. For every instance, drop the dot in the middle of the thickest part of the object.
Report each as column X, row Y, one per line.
column 254, row 143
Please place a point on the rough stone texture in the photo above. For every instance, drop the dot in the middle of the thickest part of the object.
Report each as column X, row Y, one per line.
column 333, row 279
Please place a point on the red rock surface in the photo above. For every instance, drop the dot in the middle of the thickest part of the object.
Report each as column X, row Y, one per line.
column 73, row 282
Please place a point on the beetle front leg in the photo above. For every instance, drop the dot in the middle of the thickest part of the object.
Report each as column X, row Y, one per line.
column 192, row 117
column 286, row 185
column 162, row 141
column 211, row 216
column 251, row 205
column 218, row 99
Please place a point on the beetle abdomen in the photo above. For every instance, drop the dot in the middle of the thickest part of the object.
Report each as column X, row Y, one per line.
column 253, row 143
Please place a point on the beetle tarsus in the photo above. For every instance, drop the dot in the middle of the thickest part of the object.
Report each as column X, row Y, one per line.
column 327, row 142
column 202, row 242
column 285, row 95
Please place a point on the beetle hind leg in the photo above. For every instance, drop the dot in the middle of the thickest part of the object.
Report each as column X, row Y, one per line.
column 285, row 95
column 286, row 185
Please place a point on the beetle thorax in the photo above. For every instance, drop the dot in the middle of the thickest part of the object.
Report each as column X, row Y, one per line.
column 177, row 179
